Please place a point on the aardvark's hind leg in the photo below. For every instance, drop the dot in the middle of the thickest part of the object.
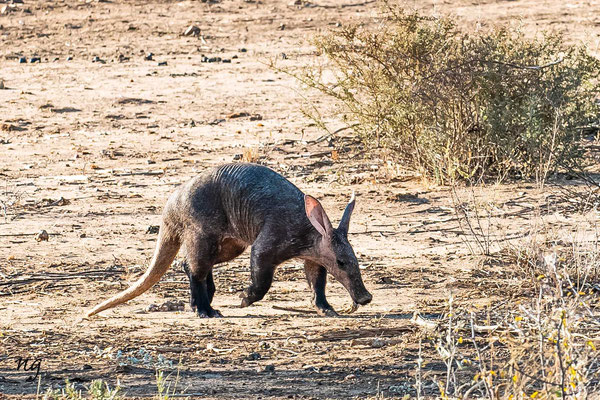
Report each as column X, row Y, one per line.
column 199, row 258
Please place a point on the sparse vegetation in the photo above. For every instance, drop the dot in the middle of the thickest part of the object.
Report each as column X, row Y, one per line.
column 97, row 390
column 455, row 105
column 542, row 342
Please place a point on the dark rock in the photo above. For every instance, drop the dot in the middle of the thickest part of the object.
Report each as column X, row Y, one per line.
column 35, row 59
column 153, row 229
column 149, row 57
column 162, row 63
column 22, row 60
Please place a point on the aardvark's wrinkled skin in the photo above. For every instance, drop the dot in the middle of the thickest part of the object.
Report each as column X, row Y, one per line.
column 218, row 214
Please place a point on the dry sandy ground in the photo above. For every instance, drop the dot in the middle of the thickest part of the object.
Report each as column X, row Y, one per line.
column 89, row 151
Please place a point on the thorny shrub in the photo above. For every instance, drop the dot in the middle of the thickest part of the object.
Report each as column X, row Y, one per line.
column 456, row 105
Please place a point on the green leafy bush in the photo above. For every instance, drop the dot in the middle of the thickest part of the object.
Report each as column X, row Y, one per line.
column 457, row 105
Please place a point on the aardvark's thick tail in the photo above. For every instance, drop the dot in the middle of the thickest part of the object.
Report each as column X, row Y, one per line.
column 167, row 247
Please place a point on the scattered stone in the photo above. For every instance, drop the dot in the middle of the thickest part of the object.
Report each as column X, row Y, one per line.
column 162, row 63
column 253, row 356
column 149, row 57
column 256, row 117
column 281, row 27
column 349, row 376
column 153, row 229
column 98, row 60
column 35, row 60
column 226, row 61
column 2, row 85
column 55, row 59
column 70, row 58
column 9, row 127
column 284, row 56
column 238, row 115
column 150, row 162
column 192, row 30
column 22, row 60
column 216, row 121
column 167, row 306
column 205, row 59
column 269, row 368
column 234, row 57
column 243, row 50
column 42, row 236
column 378, row 343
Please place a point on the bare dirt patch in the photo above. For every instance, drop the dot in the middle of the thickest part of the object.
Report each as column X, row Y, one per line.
column 95, row 136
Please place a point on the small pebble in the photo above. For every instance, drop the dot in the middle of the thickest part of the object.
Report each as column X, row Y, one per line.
column 149, row 57
column 253, row 356
column 35, row 59
column 226, row 61
column 22, row 60
column 96, row 59
column 243, row 50
column 70, row 58
column 162, row 63
column 284, row 56
column 269, row 368
column 42, row 236
column 2, row 85
column 153, row 229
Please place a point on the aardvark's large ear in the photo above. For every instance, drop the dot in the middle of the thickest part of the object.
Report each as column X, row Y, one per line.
column 317, row 216
column 345, row 222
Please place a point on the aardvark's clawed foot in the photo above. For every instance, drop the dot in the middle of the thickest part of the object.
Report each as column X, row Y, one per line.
column 212, row 313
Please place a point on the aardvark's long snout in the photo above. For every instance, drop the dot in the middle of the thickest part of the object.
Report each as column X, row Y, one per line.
column 358, row 291
column 364, row 299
